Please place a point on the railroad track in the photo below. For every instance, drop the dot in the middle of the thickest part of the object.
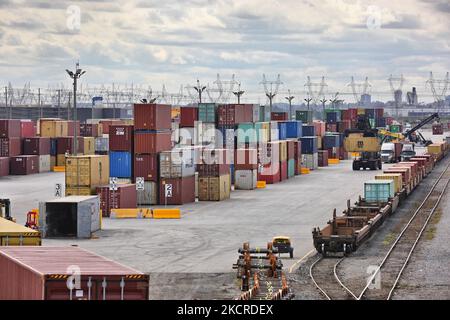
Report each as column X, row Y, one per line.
column 391, row 268
column 323, row 273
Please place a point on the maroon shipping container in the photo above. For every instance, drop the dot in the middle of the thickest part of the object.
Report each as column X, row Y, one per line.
column 297, row 167
column 9, row 128
column 152, row 117
column 188, row 116
column 36, row 146
column 279, row 116
column 213, row 170
column 41, row 273
column 344, row 125
column 270, row 173
column 146, row 166
column 125, row 197
column 28, row 129
column 291, row 149
column 350, row 114
column 379, row 113
column 323, row 158
column 71, row 128
column 89, row 130
column 150, row 142
column 331, row 127
column 183, row 191
column 24, row 165
column 232, row 114
column 105, row 124
column 297, row 150
column 283, row 170
column 121, row 138
column 65, row 145
column 438, row 129
column 246, row 159
column 10, row 147
column 4, row 166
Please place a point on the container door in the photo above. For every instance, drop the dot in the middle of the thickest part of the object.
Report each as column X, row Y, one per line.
column 59, row 290
column 122, row 289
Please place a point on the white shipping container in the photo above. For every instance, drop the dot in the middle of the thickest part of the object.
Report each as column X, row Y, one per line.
column 205, row 133
column 44, row 163
column 177, row 163
column 245, row 179
column 256, row 112
column 102, row 144
column 310, row 161
column 274, row 132
column 149, row 196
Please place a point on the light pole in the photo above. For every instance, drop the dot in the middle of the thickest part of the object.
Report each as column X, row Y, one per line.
column 199, row 90
column 75, row 76
column 289, row 98
column 239, row 93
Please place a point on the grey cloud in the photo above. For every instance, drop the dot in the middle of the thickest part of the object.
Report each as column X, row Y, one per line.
column 405, row 22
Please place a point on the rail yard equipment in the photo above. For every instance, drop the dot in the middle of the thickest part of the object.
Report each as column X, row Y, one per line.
column 5, row 210
column 283, row 245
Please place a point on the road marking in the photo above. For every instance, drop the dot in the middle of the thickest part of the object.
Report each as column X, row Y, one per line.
column 291, row 269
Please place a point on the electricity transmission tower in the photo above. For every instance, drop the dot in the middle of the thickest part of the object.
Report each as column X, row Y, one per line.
column 439, row 89
column 396, row 90
column 359, row 89
column 199, row 88
column 273, row 91
column 225, row 88
column 315, row 90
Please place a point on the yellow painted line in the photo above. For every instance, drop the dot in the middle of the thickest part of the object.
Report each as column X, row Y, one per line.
column 291, row 269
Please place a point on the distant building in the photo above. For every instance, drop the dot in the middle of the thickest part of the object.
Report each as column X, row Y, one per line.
column 412, row 97
column 366, row 99
column 398, row 94
column 447, row 101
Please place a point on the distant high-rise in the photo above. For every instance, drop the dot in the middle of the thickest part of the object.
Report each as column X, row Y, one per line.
column 366, row 99
column 398, row 97
column 412, row 97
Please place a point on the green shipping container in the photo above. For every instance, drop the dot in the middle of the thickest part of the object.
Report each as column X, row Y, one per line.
column 207, row 112
column 395, row 128
column 291, row 168
column 372, row 123
column 379, row 190
column 247, row 133
column 304, row 116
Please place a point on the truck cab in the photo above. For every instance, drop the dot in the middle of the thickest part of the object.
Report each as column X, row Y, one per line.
column 408, row 152
column 388, row 152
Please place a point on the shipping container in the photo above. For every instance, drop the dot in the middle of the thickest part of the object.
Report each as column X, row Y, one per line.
column 61, row 160
column 206, row 134
column 333, row 116
column 186, row 137
column 344, row 125
column 88, row 146
column 379, row 113
column 28, row 129
column 125, row 197
column 207, row 112
column 274, row 131
column 291, row 168
column 10, row 147
column 36, row 146
column 120, row 164
column 89, row 130
column 379, row 190
column 42, row 273
column 152, row 142
column 9, row 128
column 213, row 170
column 279, row 116
column 269, row 153
column 65, row 145
column 245, row 179
column 177, row 163
column 282, row 131
column 310, row 161
column 309, row 130
column 294, row 129
column 359, row 143
column 150, row 194
column 283, row 170
column 350, row 114
column 304, row 116
column 320, row 128
column 87, row 171
column 215, row 156
column 405, row 172
column 14, row 234
column 24, row 165
column 438, row 129
column 146, row 166
column 331, row 127
column 177, row 191
column 270, row 173
column 246, row 159
column 283, row 150
column 396, row 177
column 309, row 145
column 4, row 166
column 331, row 141
column 53, row 128
column 73, row 126
column 233, row 114
column 370, row 113
column 102, row 144
column 228, row 137
column 322, row 158
column 104, row 125
column 53, row 162
column 44, row 163
column 214, row 188
column 121, row 138
column 246, row 133
column 152, row 117
column 188, row 116
column 53, row 146
column 70, row 217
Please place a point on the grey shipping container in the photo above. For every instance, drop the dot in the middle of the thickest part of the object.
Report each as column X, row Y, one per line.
column 102, row 144
column 70, row 217
column 177, row 163
column 148, row 196
column 245, row 179
column 44, row 163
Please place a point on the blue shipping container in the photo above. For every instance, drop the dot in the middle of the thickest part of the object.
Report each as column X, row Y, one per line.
column 120, row 164
column 53, row 147
column 282, row 130
column 331, row 141
column 294, row 129
column 309, row 131
column 333, row 116
column 309, row 145
column 232, row 173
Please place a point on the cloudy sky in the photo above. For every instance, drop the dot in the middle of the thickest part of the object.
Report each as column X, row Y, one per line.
column 175, row 42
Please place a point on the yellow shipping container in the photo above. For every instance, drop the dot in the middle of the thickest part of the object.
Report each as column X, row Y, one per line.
column 79, row 191
column 319, row 142
column 434, row 148
column 13, row 234
column 283, row 150
column 397, row 177
column 356, row 142
column 89, row 145
column 87, row 171
column 361, row 111
column 176, row 111
column 214, row 188
column 53, row 162
column 53, row 128
column 128, row 122
column 61, row 160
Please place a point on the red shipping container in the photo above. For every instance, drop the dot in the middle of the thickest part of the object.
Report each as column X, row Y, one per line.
column 279, row 116
column 248, row 113
column 41, row 273
column 270, row 173
column 146, row 166
column 283, row 170
column 232, row 114
column 213, row 170
column 246, row 159
column 28, row 129
column 379, row 113
column 125, row 197
column 404, row 171
column 71, row 128
column 389, row 121
column 323, row 158
column 350, row 114
column 105, row 124
column 24, row 165
column 10, row 147
column 121, row 138
column 89, row 130
column 438, row 129
column 36, row 146
column 188, row 116
column 183, row 191
column 331, row 127
column 152, row 117
column 9, row 128
column 291, row 149
column 65, row 145
column 413, row 165
column 297, row 167
column 152, row 142
column 4, row 166
column 344, row 125
column 297, row 150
